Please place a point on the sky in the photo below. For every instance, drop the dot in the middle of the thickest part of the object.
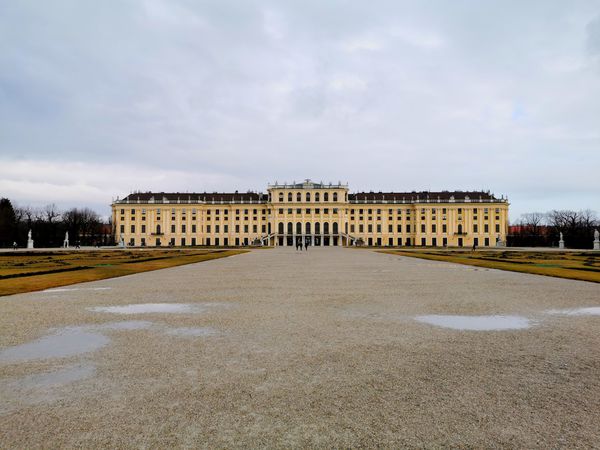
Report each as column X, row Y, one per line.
column 101, row 99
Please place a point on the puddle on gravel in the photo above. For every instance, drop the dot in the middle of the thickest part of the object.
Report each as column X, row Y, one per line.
column 589, row 311
column 192, row 331
column 76, row 289
column 126, row 325
column 56, row 378
column 148, row 308
column 70, row 341
column 42, row 387
column 477, row 323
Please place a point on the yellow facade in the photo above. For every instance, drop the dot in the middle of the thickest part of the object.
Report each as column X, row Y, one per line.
column 312, row 213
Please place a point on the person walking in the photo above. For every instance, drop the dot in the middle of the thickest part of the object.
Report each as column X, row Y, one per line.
column 14, row 245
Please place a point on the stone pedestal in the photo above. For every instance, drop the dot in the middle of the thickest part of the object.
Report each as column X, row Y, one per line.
column 29, row 243
column 596, row 244
column 561, row 244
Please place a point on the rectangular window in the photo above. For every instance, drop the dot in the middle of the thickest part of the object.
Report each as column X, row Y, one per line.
column 122, row 228
column 486, row 228
column 226, row 228
column 183, row 228
column 399, row 228
column 298, row 210
column 379, row 228
column 444, row 228
column 217, row 229
column 433, row 229
column 408, row 230
column 351, row 228
column 264, row 228
column 422, row 228
column 390, row 228
column 361, row 228
column 423, row 242
column 497, row 228
column 325, row 210
column 208, row 230
column 194, row 228
column 399, row 242
column 143, row 228
column 245, row 228
column 434, row 242
column 370, row 228
column 217, row 241
column 172, row 228
column 237, row 228
column 133, row 228
column 475, row 228
column 254, row 228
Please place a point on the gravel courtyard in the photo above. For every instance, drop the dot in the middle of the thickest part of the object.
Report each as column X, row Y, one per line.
column 327, row 348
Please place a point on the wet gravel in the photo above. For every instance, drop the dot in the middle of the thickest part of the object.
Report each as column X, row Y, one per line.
column 324, row 348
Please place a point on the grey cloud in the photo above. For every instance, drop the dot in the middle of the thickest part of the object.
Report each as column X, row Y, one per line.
column 393, row 95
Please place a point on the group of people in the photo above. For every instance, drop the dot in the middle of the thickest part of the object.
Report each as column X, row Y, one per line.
column 299, row 245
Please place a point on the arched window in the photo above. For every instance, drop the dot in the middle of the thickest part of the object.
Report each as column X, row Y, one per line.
column 289, row 196
column 317, row 197
column 290, row 228
column 326, row 197
column 298, row 228
column 335, row 228
column 307, row 227
column 280, row 227
column 317, row 228
column 335, row 196
column 298, row 197
column 326, row 228
column 308, row 196
column 158, row 229
column 281, row 196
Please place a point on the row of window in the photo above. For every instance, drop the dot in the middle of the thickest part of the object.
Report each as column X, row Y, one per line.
column 370, row 241
column 217, row 229
column 307, row 196
column 317, row 210
column 361, row 228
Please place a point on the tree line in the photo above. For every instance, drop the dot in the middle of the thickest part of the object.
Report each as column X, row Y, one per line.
column 48, row 225
column 543, row 229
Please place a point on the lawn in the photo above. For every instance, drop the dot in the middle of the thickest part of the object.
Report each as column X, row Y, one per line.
column 34, row 271
column 573, row 265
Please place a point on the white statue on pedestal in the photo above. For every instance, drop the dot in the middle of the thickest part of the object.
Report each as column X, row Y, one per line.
column 596, row 240
column 66, row 242
column 561, row 242
column 29, row 240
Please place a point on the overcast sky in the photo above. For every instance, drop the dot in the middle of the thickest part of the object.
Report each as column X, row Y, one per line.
column 102, row 98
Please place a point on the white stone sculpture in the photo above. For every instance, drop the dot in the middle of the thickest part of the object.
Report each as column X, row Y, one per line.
column 596, row 240
column 66, row 242
column 29, row 240
column 561, row 242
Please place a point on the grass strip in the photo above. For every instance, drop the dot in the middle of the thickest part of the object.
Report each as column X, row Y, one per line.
column 573, row 266
column 94, row 266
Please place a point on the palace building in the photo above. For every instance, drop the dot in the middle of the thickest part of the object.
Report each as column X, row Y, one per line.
column 313, row 213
